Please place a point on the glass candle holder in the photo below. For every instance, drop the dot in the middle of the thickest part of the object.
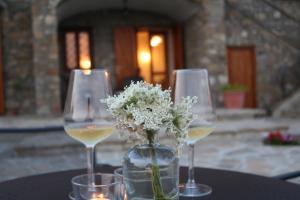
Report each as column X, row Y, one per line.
column 71, row 196
column 105, row 187
column 120, row 178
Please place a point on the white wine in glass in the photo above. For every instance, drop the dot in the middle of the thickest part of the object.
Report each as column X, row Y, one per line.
column 195, row 83
column 89, row 134
column 86, row 118
column 197, row 132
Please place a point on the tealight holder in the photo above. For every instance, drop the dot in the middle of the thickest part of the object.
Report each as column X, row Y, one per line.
column 120, row 178
column 104, row 187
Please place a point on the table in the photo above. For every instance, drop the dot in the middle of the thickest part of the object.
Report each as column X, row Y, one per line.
column 226, row 185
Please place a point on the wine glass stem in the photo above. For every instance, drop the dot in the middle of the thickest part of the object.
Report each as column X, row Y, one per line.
column 191, row 179
column 90, row 165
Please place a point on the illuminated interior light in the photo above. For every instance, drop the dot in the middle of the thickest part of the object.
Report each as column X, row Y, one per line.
column 155, row 40
column 145, row 57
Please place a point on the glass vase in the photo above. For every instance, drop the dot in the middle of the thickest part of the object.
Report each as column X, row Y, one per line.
column 151, row 171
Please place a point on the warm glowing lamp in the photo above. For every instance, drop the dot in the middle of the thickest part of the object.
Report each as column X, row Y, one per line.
column 155, row 40
column 145, row 57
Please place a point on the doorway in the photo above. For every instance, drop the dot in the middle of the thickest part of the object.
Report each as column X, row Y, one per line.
column 152, row 52
column 152, row 56
column 242, row 70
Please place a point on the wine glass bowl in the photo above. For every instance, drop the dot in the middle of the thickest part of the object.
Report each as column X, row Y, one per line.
column 89, row 134
column 195, row 83
column 198, row 129
column 86, row 118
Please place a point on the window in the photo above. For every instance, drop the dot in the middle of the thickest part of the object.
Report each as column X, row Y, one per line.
column 77, row 49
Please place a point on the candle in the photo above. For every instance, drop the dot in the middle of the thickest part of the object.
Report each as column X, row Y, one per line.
column 98, row 197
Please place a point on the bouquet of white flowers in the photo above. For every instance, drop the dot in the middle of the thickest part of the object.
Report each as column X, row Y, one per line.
column 142, row 109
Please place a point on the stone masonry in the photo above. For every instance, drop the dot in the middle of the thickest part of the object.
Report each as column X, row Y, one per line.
column 32, row 76
column 205, row 43
column 274, row 32
column 46, row 57
column 17, row 57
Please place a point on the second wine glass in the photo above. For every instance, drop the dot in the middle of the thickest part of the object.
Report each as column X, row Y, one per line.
column 195, row 83
column 86, row 119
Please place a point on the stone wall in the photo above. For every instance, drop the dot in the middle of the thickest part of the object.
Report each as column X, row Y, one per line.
column 205, row 43
column 290, row 107
column 31, row 51
column 30, row 57
column 17, row 58
column 46, row 57
column 275, row 34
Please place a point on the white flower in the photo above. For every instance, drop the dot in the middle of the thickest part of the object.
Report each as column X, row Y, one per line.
column 142, row 107
column 181, row 118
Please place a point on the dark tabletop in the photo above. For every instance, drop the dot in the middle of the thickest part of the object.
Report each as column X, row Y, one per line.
column 226, row 186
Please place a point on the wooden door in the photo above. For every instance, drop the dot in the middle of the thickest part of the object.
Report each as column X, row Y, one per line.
column 125, row 52
column 2, row 105
column 242, row 70
column 178, row 47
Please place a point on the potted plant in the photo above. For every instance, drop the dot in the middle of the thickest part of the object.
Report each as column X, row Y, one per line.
column 234, row 95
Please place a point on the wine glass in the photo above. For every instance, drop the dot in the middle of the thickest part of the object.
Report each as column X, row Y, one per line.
column 86, row 118
column 195, row 82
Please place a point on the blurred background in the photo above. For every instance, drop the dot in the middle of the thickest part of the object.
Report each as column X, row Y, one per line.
column 251, row 49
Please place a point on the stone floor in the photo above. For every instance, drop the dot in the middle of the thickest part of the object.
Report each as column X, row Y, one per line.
column 23, row 154
column 31, row 122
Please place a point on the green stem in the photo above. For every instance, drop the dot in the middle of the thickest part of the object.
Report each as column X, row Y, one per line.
column 156, row 182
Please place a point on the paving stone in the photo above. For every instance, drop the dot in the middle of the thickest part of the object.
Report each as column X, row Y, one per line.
column 249, row 125
column 229, row 164
column 47, row 152
column 242, row 151
column 29, row 122
column 258, row 166
column 5, row 151
column 224, row 114
column 241, row 125
column 13, row 168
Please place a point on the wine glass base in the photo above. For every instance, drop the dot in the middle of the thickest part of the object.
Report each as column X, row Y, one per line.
column 194, row 190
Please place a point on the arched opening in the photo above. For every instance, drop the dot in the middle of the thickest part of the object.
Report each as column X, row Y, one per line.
column 129, row 38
